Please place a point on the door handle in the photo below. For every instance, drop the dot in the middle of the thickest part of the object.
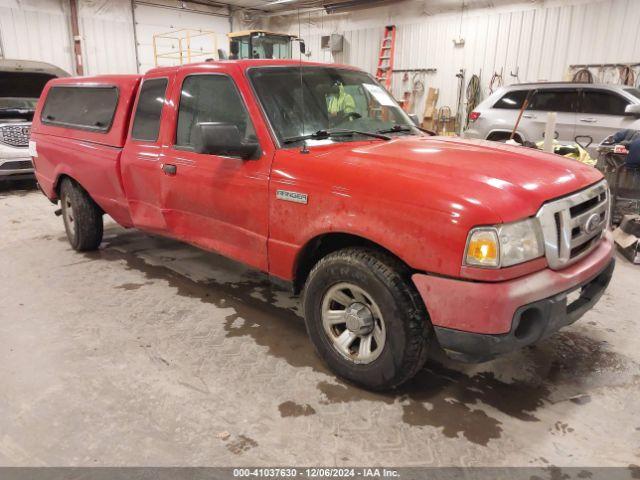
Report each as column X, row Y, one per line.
column 528, row 115
column 169, row 169
column 588, row 120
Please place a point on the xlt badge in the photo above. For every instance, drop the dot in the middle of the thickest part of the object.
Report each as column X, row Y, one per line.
column 289, row 196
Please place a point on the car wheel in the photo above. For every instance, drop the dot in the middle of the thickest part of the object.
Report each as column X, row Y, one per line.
column 365, row 318
column 82, row 217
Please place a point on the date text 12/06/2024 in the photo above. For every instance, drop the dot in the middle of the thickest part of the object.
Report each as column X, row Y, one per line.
column 316, row 472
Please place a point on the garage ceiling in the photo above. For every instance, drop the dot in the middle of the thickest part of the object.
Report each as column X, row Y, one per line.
column 431, row 5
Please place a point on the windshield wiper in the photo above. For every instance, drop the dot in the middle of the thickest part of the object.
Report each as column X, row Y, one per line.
column 324, row 134
column 406, row 128
column 397, row 128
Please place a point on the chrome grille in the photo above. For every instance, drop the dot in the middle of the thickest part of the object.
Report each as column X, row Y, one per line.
column 15, row 134
column 572, row 225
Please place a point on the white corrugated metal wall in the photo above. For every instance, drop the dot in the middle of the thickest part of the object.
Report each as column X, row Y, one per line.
column 153, row 19
column 106, row 28
column 539, row 42
column 36, row 30
column 40, row 30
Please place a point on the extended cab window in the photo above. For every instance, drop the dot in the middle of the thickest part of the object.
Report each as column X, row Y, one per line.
column 558, row 100
column 512, row 100
column 210, row 98
column 85, row 108
column 603, row 103
column 146, row 123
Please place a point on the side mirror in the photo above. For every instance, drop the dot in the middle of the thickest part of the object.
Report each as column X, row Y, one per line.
column 633, row 110
column 217, row 138
column 414, row 118
column 303, row 47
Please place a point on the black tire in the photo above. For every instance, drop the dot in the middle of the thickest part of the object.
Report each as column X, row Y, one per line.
column 503, row 137
column 387, row 282
column 82, row 217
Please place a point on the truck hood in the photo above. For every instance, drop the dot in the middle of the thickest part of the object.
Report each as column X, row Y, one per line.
column 511, row 181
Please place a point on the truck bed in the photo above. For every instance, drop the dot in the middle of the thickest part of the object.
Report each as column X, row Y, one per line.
column 90, row 157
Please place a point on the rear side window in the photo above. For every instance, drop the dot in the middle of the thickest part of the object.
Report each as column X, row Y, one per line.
column 512, row 100
column 560, row 100
column 146, row 123
column 603, row 103
column 84, row 108
column 210, row 98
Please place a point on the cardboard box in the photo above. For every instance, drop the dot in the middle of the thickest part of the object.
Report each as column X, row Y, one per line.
column 430, row 110
column 627, row 237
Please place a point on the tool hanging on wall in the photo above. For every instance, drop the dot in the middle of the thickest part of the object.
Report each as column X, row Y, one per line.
column 627, row 76
column 473, row 96
column 385, row 59
column 496, row 81
column 515, row 74
column 460, row 77
column 609, row 73
column 583, row 75
column 416, row 90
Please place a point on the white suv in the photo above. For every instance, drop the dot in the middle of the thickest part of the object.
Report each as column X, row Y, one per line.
column 21, row 82
column 585, row 112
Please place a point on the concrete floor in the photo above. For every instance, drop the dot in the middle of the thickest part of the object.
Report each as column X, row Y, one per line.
column 150, row 352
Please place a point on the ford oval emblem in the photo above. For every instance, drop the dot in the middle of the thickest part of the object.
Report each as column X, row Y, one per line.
column 592, row 223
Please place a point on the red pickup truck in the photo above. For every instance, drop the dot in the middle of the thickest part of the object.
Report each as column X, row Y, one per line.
column 398, row 240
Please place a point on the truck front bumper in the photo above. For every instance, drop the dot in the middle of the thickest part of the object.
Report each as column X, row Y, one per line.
column 477, row 321
column 15, row 163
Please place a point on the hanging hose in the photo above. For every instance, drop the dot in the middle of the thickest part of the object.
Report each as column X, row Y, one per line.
column 496, row 81
column 583, row 75
column 627, row 76
column 460, row 77
column 473, row 96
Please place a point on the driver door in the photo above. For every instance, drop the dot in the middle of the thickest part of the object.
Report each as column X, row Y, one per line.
column 219, row 203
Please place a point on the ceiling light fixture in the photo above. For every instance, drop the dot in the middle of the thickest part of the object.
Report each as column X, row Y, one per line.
column 277, row 2
column 344, row 5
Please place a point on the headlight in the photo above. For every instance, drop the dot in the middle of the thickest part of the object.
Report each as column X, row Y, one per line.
column 504, row 245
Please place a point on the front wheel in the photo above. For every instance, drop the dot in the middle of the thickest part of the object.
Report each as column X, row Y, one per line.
column 365, row 318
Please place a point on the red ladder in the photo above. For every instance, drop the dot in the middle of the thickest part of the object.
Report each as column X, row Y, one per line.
column 385, row 60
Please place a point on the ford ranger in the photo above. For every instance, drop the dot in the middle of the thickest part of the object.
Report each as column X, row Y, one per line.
column 398, row 241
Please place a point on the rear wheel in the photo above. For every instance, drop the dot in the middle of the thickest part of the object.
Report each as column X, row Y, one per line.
column 82, row 217
column 365, row 318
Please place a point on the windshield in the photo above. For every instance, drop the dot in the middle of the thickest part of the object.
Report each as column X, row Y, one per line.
column 633, row 91
column 18, row 103
column 21, row 89
column 334, row 99
column 270, row 46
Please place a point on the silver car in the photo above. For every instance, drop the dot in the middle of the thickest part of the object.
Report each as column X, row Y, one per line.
column 21, row 82
column 586, row 113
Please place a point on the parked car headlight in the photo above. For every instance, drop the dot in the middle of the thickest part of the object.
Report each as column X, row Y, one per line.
column 504, row 245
